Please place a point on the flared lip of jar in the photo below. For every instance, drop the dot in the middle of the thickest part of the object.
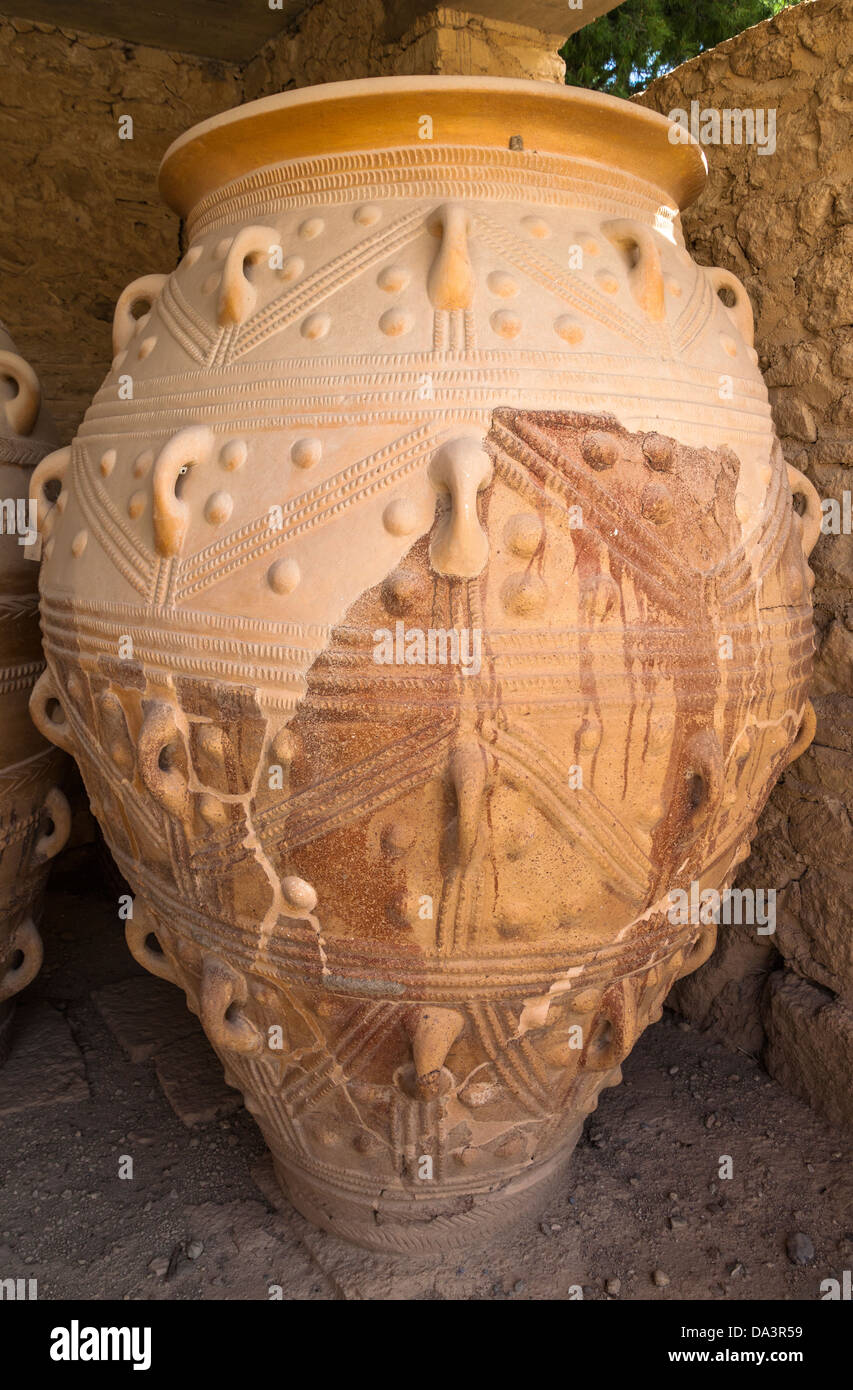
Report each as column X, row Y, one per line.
column 384, row 113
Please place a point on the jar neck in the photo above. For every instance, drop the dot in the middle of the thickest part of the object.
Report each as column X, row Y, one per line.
column 468, row 173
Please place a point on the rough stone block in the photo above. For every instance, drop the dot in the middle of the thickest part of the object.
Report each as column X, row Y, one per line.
column 821, row 831
column 813, row 933
column 809, row 1047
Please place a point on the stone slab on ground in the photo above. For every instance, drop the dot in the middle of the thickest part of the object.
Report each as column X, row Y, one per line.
column 145, row 1015
column 45, row 1066
column 191, row 1077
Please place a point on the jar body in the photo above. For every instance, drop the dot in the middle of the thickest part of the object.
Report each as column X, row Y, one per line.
column 433, row 608
column 34, row 816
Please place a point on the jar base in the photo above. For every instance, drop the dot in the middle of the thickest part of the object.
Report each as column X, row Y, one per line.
column 396, row 1222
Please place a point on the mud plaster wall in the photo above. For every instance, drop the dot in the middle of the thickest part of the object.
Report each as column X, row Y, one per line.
column 79, row 210
column 784, row 224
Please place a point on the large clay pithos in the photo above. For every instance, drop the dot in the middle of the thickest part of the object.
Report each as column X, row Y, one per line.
column 34, row 814
column 423, row 603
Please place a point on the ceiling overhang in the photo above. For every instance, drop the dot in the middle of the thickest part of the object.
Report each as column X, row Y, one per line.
column 234, row 30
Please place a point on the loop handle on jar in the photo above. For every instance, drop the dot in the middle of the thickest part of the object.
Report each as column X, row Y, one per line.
column 700, row 951
column 812, row 516
column 44, row 694
column 704, row 776
column 51, row 842
column 645, row 276
column 741, row 310
column 25, row 939
column 237, row 296
column 222, row 989
column 172, row 516
column 136, row 933
column 805, row 733
column 618, row 1008
column 146, row 290
column 52, row 469
column 22, row 410
column 160, row 733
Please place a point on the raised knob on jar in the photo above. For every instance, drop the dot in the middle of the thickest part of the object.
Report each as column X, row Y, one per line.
column 460, row 469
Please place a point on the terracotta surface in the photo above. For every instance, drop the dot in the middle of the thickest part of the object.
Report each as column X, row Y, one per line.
column 421, row 909
column 34, row 814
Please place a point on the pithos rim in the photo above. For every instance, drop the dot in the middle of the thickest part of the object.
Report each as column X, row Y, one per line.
column 388, row 113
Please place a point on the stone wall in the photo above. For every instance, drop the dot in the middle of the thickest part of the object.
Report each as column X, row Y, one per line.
column 336, row 39
column 783, row 223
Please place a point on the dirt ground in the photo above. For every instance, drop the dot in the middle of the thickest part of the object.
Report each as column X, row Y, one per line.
column 641, row 1214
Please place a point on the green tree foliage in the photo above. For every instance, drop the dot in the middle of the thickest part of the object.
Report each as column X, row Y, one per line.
column 624, row 50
